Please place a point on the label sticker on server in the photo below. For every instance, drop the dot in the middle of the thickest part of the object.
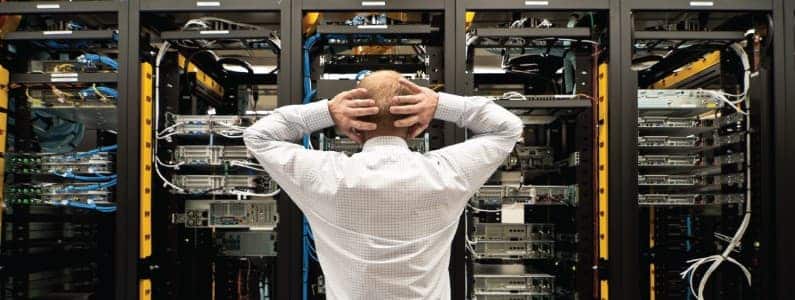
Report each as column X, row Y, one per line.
column 58, row 32
column 373, row 3
column 702, row 3
column 48, row 6
column 536, row 3
column 208, row 4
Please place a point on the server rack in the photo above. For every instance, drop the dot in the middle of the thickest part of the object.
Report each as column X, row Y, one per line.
column 114, row 17
column 415, row 20
column 155, row 277
column 628, row 227
column 590, row 281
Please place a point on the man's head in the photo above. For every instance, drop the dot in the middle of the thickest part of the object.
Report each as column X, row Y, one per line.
column 383, row 86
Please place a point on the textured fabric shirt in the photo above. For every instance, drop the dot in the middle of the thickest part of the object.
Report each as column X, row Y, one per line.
column 383, row 220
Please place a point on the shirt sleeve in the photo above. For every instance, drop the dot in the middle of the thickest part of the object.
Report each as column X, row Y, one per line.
column 496, row 132
column 295, row 169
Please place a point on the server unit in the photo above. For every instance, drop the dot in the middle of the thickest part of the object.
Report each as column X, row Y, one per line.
column 59, row 112
column 530, row 232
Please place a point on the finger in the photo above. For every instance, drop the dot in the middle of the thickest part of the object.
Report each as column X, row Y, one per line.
column 353, row 94
column 407, row 122
column 363, row 126
column 416, row 130
column 407, row 84
column 405, row 109
column 410, row 99
column 355, row 136
column 361, row 103
column 361, row 112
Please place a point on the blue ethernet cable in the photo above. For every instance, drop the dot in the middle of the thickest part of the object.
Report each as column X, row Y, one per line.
column 92, row 91
column 98, row 59
column 96, row 151
column 91, row 187
column 94, row 178
column 308, row 95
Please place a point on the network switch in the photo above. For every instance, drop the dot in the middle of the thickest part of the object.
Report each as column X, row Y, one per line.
column 668, row 122
column 224, row 184
column 734, row 158
column 730, row 179
column 255, row 214
column 660, row 99
column 349, row 147
column 513, row 232
column 691, row 160
column 669, row 180
column 496, row 195
column 729, row 139
column 223, row 125
column 511, row 278
column 200, row 155
column 511, row 250
column 690, row 199
column 668, row 141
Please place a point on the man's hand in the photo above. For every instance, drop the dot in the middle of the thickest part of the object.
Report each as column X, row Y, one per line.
column 420, row 107
column 347, row 107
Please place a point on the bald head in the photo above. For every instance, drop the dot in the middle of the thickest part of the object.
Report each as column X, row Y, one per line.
column 382, row 86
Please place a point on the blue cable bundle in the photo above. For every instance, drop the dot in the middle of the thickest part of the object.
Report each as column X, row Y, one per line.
column 96, row 151
column 94, row 59
column 92, row 187
column 92, row 91
column 308, row 95
column 91, row 206
column 55, row 134
column 93, row 178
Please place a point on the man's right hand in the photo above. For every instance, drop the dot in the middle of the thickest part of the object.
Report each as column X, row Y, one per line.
column 420, row 107
column 347, row 107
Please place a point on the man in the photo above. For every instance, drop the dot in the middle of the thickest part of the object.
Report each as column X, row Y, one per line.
column 384, row 219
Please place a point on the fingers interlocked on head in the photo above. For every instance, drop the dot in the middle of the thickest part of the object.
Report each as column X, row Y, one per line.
column 383, row 86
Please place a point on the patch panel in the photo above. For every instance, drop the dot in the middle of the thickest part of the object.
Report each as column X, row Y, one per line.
column 46, row 163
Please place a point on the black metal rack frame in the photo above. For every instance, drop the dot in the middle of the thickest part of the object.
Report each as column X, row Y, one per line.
column 121, row 259
column 624, row 223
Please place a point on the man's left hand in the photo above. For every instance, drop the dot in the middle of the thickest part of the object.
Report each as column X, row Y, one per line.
column 347, row 107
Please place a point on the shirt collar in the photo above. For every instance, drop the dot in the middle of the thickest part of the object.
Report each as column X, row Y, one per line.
column 381, row 142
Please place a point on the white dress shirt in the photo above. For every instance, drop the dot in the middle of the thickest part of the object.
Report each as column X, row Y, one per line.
column 384, row 219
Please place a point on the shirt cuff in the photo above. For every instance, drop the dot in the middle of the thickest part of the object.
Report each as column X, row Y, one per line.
column 316, row 115
column 450, row 107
